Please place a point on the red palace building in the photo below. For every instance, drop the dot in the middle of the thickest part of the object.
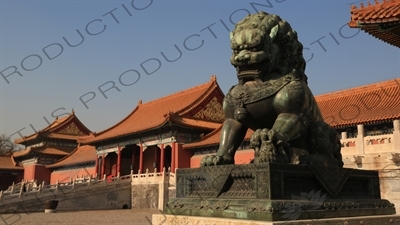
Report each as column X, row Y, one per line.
column 153, row 134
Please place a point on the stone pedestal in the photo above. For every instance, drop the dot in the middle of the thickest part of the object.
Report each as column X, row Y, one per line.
column 277, row 192
column 192, row 220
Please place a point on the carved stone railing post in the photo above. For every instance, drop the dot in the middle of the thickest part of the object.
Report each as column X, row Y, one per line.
column 344, row 135
column 90, row 181
column 1, row 196
column 396, row 135
column 104, row 179
column 360, row 139
column 21, row 191
column 57, row 187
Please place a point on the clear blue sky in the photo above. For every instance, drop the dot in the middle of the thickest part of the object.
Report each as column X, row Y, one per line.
column 31, row 29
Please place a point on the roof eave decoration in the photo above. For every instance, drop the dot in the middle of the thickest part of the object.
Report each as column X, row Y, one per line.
column 388, row 27
column 381, row 20
column 155, row 113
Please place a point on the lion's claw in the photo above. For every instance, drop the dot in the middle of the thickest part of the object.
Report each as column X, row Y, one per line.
column 214, row 160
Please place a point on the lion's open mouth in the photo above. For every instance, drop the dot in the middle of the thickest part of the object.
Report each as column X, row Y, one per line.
column 251, row 71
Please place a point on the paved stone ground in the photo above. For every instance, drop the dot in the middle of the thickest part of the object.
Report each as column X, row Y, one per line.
column 98, row 217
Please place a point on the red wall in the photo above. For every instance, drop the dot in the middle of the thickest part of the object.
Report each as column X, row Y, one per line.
column 37, row 172
column 241, row 157
column 42, row 174
column 183, row 156
column 29, row 172
column 66, row 175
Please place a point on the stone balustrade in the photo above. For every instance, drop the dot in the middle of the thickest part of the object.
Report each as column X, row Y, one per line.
column 379, row 139
column 368, row 144
column 22, row 191
column 349, row 142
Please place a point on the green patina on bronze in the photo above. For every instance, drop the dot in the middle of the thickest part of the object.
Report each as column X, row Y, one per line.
column 273, row 99
column 277, row 192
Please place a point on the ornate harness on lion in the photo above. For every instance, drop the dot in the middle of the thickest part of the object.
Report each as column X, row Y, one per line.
column 273, row 99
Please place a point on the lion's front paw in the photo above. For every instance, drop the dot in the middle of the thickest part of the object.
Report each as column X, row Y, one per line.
column 214, row 160
column 271, row 153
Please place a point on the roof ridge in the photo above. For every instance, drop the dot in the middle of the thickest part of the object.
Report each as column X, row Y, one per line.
column 22, row 152
column 152, row 102
column 55, row 125
column 203, row 138
column 213, row 132
column 94, row 134
column 211, row 88
column 70, row 118
column 56, row 122
column 176, row 94
column 65, row 157
column 362, row 88
column 68, row 157
column 369, row 5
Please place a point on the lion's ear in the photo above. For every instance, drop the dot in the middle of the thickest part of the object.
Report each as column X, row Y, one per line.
column 273, row 32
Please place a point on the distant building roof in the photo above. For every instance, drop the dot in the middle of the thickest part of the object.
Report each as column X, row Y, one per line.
column 196, row 107
column 59, row 150
column 7, row 163
column 82, row 154
column 372, row 103
column 379, row 19
column 212, row 139
column 68, row 128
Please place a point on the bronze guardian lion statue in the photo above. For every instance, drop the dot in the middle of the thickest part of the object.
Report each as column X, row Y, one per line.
column 273, row 99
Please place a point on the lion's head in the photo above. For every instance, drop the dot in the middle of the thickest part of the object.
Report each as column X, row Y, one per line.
column 263, row 43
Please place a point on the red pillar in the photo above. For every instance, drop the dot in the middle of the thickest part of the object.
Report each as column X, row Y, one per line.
column 119, row 160
column 155, row 158
column 162, row 157
column 173, row 157
column 177, row 165
column 141, row 158
column 97, row 166
column 103, row 166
